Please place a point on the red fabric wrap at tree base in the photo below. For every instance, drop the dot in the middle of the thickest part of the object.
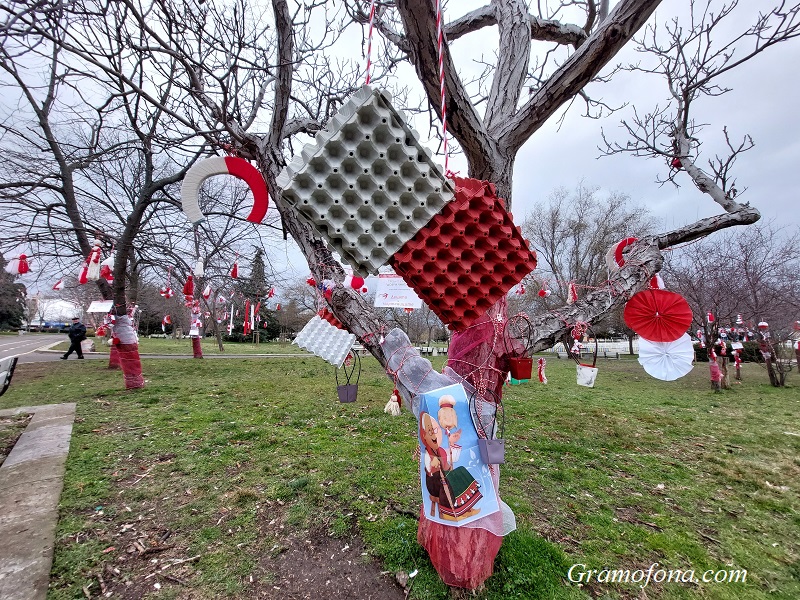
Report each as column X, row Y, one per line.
column 131, row 365
column 463, row 556
column 467, row 257
column 113, row 357
column 658, row 315
column 197, row 349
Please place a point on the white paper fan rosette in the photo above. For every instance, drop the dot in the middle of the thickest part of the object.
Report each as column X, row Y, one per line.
column 667, row 360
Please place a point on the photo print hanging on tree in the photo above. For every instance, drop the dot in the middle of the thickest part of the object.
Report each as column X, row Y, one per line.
column 457, row 486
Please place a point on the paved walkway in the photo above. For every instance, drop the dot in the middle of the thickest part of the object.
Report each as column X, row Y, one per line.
column 31, row 480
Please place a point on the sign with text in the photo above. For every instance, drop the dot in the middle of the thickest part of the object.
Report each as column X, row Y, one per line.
column 393, row 292
column 100, row 306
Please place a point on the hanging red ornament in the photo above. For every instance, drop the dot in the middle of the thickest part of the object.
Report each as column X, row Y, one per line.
column 277, row 307
column 614, row 256
column 541, row 364
column 167, row 320
column 207, row 292
column 658, row 315
column 676, row 163
column 328, row 294
column 311, row 281
column 166, row 292
column 572, row 293
column 83, row 275
column 18, row 265
column 408, row 310
column 710, row 317
column 59, row 285
column 544, row 293
column 356, row 282
column 271, row 293
column 235, row 270
column 188, row 287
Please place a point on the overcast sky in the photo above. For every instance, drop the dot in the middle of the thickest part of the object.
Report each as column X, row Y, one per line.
column 763, row 103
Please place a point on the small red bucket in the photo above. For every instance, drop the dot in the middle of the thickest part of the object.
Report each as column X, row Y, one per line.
column 521, row 368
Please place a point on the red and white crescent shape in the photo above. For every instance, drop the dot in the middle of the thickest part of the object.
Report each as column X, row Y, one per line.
column 223, row 165
column 614, row 259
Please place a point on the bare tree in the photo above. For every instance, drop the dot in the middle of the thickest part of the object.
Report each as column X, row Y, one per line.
column 229, row 79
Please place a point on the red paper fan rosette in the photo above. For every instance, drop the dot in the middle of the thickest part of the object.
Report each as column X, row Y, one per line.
column 658, row 315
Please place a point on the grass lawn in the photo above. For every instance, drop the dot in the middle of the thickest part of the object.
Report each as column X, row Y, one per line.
column 184, row 346
column 238, row 467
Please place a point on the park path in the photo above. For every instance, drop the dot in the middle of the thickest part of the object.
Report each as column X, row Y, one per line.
column 31, row 480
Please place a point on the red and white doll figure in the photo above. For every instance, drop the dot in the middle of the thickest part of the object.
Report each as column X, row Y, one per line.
column 93, row 262
column 18, row 265
column 107, row 269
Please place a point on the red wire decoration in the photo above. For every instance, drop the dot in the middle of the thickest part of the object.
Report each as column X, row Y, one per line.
column 658, row 315
column 369, row 39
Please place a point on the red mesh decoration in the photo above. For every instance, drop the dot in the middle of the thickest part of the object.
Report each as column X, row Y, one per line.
column 467, row 257
column 131, row 365
column 197, row 349
column 328, row 316
column 113, row 357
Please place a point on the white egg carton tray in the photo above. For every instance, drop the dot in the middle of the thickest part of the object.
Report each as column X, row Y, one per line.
column 367, row 185
column 326, row 341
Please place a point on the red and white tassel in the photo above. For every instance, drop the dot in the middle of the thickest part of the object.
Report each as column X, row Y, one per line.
column 207, row 292
column 235, row 270
column 656, row 283
column 93, row 262
column 18, row 265
column 541, row 364
column 188, row 287
column 271, row 293
column 572, row 293
column 166, row 292
column 83, row 276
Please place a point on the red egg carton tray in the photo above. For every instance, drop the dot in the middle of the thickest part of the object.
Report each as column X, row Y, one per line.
column 328, row 316
column 467, row 257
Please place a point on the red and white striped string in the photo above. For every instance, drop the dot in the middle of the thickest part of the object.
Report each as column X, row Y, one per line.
column 369, row 39
column 440, row 38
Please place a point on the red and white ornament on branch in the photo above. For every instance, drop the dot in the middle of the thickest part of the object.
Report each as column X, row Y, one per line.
column 543, row 293
column 18, row 265
column 93, row 262
column 235, row 270
column 107, row 269
column 207, row 292
column 356, row 282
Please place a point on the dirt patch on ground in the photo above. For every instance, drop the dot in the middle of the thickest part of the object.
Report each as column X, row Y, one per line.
column 28, row 372
column 316, row 565
column 10, row 430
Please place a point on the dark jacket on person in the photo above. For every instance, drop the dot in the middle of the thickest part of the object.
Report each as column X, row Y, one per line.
column 77, row 332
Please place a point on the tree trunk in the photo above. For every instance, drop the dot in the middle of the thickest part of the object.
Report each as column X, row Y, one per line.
column 725, row 382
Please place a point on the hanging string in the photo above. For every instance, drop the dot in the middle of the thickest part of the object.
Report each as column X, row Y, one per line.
column 440, row 37
column 369, row 39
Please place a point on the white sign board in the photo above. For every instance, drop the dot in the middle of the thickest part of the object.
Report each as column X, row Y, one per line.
column 393, row 292
column 100, row 306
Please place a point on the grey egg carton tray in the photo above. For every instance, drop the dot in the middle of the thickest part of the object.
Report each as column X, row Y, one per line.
column 326, row 341
column 367, row 185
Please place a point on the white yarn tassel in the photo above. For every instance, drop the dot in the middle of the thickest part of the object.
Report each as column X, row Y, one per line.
column 392, row 407
column 198, row 268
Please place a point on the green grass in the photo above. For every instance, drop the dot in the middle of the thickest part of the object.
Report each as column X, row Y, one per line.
column 184, row 346
column 630, row 473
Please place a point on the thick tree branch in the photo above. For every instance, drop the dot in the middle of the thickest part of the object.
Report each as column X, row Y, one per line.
column 578, row 70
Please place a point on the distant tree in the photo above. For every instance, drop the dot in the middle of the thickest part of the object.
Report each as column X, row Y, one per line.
column 572, row 232
column 12, row 299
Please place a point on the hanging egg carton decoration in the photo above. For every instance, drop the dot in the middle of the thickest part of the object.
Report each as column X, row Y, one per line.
column 367, row 185
column 325, row 340
column 468, row 257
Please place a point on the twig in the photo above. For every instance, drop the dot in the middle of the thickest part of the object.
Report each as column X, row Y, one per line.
column 404, row 511
column 177, row 562
column 154, row 549
column 709, row 538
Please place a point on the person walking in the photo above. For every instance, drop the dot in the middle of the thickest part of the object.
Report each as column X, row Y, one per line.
column 76, row 333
